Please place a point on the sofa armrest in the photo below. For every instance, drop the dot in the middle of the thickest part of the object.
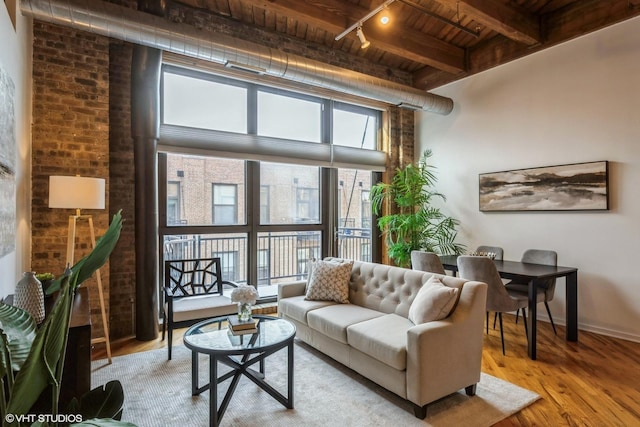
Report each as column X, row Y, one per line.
column 445, row 356
column 291, row 289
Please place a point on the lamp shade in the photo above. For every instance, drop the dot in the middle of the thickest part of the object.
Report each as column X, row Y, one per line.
column 76, row 192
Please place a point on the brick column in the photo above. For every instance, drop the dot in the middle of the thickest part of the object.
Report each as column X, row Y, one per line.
column 122, row 190
column 400, row 148
column 70, row 136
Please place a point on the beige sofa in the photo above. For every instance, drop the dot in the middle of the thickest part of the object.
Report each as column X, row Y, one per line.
column 373, row 336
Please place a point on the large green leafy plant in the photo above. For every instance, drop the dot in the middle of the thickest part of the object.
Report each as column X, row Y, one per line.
column 416, row 225
column 32, row 359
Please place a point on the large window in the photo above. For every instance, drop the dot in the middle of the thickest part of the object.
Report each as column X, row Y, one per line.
column 275, row 113
column 293, row 196
column 202, row 103
column 289, row 253
column 193, row 200
column 231, row 248
column 354, row 127
column 354, row 226
column 248, row 173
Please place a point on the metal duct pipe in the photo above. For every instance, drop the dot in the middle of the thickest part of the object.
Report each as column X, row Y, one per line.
column 141, row 28
column 146, row 65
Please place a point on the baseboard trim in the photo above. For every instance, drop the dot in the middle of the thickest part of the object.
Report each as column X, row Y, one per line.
column 594, row 329
column 609, row 332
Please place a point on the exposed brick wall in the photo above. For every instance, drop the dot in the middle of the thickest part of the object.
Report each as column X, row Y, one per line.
column 82, row 126
column 400, row 152
column 69, row 137
column 122, row 178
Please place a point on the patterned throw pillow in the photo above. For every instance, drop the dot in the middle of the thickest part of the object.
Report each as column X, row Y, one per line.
column 434, row 301
column 329, row 281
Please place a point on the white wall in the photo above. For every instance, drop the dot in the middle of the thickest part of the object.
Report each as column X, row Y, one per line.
column 15, row 59
column 576, row 102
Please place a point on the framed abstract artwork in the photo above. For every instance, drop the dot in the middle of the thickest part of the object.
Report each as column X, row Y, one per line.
column 7, row 165
column 573, row 187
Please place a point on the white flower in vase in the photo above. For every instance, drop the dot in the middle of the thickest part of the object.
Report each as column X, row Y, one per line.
column 244, row 294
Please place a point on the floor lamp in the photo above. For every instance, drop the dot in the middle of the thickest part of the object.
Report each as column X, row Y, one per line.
column 76, row 192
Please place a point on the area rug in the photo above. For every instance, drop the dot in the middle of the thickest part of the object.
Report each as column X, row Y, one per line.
column 158, row 393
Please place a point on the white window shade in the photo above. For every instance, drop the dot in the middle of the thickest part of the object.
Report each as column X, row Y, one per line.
column 254, row 147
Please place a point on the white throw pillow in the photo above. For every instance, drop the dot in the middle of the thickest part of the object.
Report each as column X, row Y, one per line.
column 434, row 301
column 329, row 281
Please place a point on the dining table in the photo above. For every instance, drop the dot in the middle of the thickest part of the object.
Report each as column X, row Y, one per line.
column 532, row 274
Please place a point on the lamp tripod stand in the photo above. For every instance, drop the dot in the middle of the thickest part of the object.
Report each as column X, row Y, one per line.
column 76, row 192
column 71, row 244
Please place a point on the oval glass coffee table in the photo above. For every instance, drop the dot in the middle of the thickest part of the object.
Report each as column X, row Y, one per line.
column 239, row 352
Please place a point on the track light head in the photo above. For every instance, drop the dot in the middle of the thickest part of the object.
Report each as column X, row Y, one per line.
column 363, row 40
column 384, row 18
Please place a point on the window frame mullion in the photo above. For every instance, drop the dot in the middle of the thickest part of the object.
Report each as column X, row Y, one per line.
column 253, row 219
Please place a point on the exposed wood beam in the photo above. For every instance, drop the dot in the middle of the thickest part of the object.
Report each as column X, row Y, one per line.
column 500, row 17
column 586, row 16
column 428, row 78
column 334, row 16
column 417, row 47
column 564, row 24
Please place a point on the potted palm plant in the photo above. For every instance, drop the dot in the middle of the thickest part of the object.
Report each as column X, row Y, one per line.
column 417, row 224
column 32, row 358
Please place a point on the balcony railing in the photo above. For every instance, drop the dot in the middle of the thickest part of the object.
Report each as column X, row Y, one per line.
column 354, row 243
column 282, row 256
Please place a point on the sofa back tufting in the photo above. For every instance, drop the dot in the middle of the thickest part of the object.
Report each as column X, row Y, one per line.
column 389, row 289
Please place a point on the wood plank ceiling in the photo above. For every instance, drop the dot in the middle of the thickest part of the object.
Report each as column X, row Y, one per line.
column 437, row 41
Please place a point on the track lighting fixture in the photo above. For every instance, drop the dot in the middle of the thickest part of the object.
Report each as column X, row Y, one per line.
column 385, row 19
column 358, row 25
column 363, row 40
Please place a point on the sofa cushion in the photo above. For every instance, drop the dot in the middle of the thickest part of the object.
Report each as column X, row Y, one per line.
column 329, row 281
column 383, row 338
column 333, row 320
column 298, row 307
column 434, row 301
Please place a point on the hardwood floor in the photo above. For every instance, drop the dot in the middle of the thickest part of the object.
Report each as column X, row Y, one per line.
column 594, row 382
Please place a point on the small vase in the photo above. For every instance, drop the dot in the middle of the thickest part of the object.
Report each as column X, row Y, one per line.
column 244, row 311
column 29, row 296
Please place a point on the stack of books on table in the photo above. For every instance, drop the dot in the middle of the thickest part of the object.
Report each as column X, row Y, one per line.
column 239, row 327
